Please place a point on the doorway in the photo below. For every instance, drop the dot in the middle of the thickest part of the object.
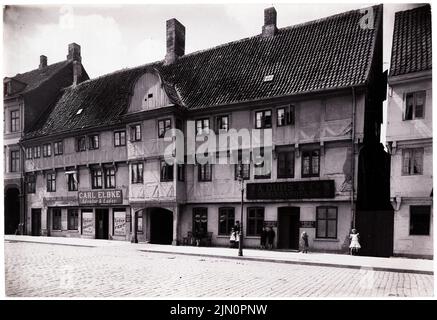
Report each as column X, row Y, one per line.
column 161, row 226
column 102, row 224
column 12, row 210
column 288, row 228
column 36, row 222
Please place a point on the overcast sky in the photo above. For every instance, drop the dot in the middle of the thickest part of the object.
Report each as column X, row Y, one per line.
column 113, row 37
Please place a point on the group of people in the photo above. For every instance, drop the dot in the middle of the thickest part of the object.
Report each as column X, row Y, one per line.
column 268, row 236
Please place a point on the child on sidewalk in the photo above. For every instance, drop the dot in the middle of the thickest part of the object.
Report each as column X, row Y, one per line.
column 355, row 244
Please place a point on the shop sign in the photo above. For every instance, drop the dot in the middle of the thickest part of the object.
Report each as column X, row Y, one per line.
column 87, row 223
column 97, row 197
column 291, row 190
column 119, row 223
column 307, row 224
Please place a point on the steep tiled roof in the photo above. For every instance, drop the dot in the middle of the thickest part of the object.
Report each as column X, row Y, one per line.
column 412, row 48
column 329, row 53
column 35, row 78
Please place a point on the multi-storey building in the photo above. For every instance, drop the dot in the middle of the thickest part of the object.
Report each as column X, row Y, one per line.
column 409, row 132
column 308, row 84
column 26, row 97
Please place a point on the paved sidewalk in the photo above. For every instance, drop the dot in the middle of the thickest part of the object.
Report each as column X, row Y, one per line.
column 318, row 259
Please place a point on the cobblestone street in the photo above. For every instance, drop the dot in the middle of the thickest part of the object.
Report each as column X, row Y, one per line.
column 47, row 270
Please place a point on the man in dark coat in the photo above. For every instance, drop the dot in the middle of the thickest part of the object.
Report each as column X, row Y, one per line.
column 270, row 238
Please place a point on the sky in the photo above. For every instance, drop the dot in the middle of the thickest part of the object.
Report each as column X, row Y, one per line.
column 113, row 37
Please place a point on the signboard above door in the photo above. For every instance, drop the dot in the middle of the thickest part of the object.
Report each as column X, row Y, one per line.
column 100, row 197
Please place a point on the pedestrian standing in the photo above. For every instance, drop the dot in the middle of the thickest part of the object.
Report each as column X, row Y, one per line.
column 232, row 238
column 355, row 243
column 270, row 237
column 263, row 237
column 304, row 241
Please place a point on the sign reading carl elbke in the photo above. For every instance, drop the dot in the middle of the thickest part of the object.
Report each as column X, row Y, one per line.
column 100, row 197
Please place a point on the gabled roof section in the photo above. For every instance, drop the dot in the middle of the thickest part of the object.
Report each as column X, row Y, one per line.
column 412, row 43
column 33, row 79
column 325, row 54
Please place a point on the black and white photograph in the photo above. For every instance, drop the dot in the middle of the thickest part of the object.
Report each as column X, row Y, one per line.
column 217, row 151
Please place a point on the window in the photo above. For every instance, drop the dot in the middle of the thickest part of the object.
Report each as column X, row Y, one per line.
column 204, row 172
column 57, row 219
column 284, row 116
column 420, row 220
column 81, row 143
column 310, row 163
column 29, row 153
column 285, row 164
column 200, row 221
column 119, row 138
column 202, row 126
column 414, row 105
column 412, row 161
column 166, row 171
column 58, row 148
column 110, row 177
column 226, row 220
column 163, row 127
column 46, row 150
column 96, row 178
column 263, row 119
column 94, row 142
column 135, row 132
column 15, row 160
column 73, row 219
column 51, row 182
column 137, row 172
column 72, row 180
column 255, row 221
column 262, row 166
column 15, row 121
column 37, row 152
column 181, row 172
column 223, row 123
column 326, row 222
column 31, row 183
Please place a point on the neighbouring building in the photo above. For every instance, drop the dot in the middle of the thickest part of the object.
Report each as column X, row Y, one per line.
column 311, row 85
column 409, row 132
column 26, row 97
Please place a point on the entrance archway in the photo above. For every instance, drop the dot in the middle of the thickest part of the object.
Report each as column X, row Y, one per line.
column 161, row 226
column 12, row 210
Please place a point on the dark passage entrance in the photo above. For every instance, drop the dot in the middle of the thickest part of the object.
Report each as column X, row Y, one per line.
column 288, row 228
column 161, row 226
column 102, row 223
column 36, row 222
column 12, row 210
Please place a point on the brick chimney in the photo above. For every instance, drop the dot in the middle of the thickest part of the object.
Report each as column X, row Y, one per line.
column 269, row 28
column 175, row 40
column 42, row 62
column 74, row 55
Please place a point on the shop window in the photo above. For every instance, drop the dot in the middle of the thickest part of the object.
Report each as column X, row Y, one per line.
column 15, row 161
column 163, row 127
column 51, row 182
column 56, row 219
column 326, row 222
column 263, row 119
column 119, row 138
column 110, row 178
column 94, row 142
column 420, row 220
column 73, row 219
column 96, row 178
column 226, row 220
column 412, row 161
column 310, row 163
column 200, row 221
column 58, row 148
column 137, row 172
column 255, row 221
column 285, row 162
column 414, row 105
column 47, row 150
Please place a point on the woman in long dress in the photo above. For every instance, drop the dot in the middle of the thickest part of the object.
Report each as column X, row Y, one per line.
column 355, row 243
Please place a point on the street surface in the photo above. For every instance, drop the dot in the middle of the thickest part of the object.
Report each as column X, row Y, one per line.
column 53, row 270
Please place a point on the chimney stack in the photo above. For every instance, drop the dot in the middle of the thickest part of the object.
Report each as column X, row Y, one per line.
column 175, row 40
column 269, row 28
column 42, row 62
column 74, row 55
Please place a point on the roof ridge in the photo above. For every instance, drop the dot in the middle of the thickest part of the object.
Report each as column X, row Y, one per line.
column 33, row 70
column 421, row 6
